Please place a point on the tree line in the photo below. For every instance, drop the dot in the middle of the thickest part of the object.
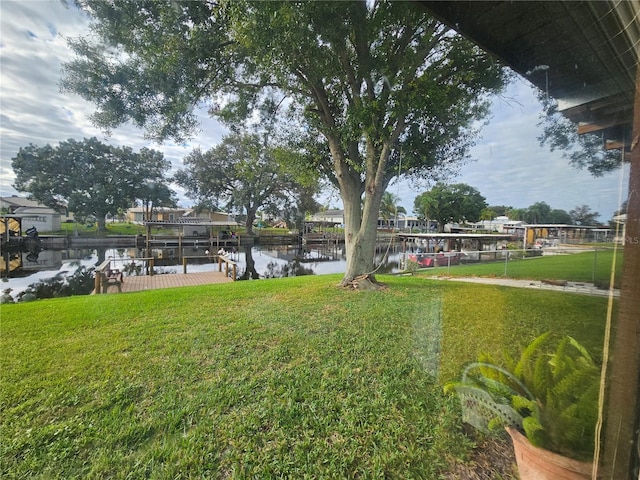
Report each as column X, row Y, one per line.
column 93, row 179
column 244, row 174
column 461, row 203
column 90, row 178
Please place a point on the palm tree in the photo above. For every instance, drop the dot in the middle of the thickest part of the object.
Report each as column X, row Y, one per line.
column 389, row 207
column 426, row 208
column 488, row 215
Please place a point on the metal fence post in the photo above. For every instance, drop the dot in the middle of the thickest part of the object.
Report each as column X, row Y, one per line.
column 506, row 261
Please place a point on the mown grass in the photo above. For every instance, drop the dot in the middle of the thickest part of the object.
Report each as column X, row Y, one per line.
column 288, row 378
column 577, row 267
column 119, row 228
column 115, row 228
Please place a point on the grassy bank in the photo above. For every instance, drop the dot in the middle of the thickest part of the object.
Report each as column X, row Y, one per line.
column 282, row 378
column 119, row 228
column 577, row 267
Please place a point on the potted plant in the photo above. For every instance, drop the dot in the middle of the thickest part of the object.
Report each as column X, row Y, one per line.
column 547, row 400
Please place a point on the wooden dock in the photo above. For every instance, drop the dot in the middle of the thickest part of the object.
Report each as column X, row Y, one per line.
column 169, row 280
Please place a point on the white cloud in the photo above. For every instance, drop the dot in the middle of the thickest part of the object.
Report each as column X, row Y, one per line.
column 33, row 47
column 511, row 168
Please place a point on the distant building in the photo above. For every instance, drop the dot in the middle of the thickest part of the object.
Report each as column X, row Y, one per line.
column 168, row 214
column 621, row 220
column 401, row 222
column 10, row 204
column 334, row 217
column 158, row 214
column 223, row 218
column 500, row 224
column 32, row 213
column 186, row 220
column 412, row 223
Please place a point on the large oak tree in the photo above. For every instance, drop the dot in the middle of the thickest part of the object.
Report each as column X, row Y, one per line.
column 450, row 204
column 244, row 174
column 88, row 177
column 386, row 88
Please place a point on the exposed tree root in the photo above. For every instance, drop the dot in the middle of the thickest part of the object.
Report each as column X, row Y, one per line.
column 364, row 282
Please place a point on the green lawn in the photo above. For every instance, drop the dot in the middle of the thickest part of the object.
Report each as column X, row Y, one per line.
column 117, row 228
column 91, row 230
column 287, row 378
column 578, row 267
column 85, row 230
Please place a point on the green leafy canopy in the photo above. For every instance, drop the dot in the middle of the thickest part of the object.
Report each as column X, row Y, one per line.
column 583, row 151
column 245, row 173
column 450, row 203
column 89, row 177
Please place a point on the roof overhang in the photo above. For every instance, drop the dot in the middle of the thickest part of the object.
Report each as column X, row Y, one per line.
column 583, row 53
column 461, row 236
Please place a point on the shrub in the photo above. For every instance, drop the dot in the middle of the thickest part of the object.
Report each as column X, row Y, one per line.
column 80, row 282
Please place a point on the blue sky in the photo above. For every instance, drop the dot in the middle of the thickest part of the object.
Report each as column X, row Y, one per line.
column 509, row 167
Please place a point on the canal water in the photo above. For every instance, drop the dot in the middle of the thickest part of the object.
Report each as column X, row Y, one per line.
column 253, row 262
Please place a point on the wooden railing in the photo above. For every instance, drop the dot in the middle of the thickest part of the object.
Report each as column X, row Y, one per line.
column 151, row 262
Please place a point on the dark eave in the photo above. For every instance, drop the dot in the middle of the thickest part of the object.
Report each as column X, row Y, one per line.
column 584, row 53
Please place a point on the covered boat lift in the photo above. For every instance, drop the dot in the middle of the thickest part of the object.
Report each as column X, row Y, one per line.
column 446, row 242
column 446, row 249
column 201, row 234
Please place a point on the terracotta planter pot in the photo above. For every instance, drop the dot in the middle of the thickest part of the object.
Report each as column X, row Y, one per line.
column 539, row 464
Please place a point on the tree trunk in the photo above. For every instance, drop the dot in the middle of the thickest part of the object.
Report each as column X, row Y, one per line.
column 250, row 270
column 361, row 223
column 146, row 214
column 100, row 221
column 102, row 255
column 251, row 217
column 360, row 238
column 620, row 459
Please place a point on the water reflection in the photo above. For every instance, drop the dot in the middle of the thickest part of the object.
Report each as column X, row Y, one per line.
column 288, row 261
column 293, row 268
column 250, row 272
column 50, row 263
column 253, row 262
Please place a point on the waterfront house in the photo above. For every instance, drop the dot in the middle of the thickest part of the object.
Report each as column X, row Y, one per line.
column 32, row 213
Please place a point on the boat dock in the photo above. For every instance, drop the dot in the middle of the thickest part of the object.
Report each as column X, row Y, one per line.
column 169, row 280
column 109, row 280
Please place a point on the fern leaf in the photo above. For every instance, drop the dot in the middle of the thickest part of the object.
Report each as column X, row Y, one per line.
column 531, row 351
